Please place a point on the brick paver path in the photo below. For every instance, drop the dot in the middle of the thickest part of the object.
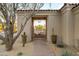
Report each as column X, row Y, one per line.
column 41, row 48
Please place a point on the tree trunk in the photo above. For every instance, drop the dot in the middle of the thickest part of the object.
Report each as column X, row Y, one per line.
column 8, row 46
column 8, row 42
column 9, row 37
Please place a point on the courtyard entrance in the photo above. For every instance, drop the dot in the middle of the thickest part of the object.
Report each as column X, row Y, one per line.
column 39, row 27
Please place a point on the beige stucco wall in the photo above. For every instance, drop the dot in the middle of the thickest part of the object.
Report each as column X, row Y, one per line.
column 27, row 29
column 53, row 21
column 76, row 28
column 64, row 22
column 68, row 25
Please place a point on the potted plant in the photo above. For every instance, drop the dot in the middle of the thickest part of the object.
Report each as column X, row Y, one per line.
column 53, row 37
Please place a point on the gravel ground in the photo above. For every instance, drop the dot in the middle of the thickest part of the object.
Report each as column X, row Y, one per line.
column 35, row 48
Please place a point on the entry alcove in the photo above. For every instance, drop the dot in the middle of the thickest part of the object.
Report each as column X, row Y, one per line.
column 39, row 27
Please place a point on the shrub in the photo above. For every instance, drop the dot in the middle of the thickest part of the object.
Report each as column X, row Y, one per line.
column 19, row 54
column 67, row 53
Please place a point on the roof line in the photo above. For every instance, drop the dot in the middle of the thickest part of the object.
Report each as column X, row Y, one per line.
column 37, row 10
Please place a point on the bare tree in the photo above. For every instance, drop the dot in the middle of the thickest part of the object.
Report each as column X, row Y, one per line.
column 8, row 13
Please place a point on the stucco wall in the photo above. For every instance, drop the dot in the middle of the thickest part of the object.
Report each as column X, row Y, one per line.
column 53, row 21
column 67, row 25
column 27, row 29
column 76, row 24
column 67, row 29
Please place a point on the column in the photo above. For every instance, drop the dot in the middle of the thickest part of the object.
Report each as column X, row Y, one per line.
column 68, row 26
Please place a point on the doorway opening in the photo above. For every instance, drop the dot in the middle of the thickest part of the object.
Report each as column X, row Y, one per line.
column 39, row 28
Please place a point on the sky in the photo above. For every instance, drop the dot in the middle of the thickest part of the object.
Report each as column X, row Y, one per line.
column 54, row 6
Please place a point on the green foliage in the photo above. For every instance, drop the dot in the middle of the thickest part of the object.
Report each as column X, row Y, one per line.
column 67, row 53
column 40, row 27
column 19, row 54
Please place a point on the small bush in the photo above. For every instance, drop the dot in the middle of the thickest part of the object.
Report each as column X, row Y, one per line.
column 19, row 54
column 67, row 53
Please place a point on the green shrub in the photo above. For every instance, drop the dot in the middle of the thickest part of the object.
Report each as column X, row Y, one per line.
column 67, row 53
column 19, row 54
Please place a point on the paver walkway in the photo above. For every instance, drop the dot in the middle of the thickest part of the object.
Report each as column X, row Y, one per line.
column 41, row 48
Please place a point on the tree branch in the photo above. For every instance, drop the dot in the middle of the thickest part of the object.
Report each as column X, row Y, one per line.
column 22, row 26
column 3, row 10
